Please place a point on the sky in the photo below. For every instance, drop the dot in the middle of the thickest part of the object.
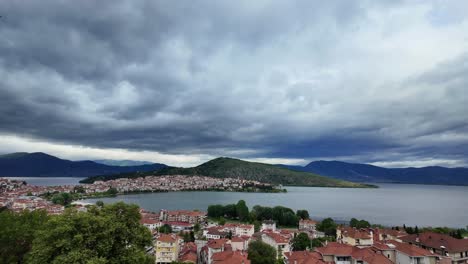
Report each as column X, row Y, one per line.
column 181, row 82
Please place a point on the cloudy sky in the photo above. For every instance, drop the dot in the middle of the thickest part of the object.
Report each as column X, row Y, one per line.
column 181, row 82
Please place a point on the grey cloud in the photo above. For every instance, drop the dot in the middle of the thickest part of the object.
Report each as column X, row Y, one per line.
column 267, row 79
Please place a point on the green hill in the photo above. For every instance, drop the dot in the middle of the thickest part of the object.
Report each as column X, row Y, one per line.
column 234, row 168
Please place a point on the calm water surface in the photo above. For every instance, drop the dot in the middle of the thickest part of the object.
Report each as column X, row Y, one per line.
column 391, row 204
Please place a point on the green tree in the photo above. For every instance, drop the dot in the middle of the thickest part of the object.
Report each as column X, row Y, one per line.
column 302, row 214
column 112, row 234
column 165, row 229
column 242, row 211
column 196, row 228
column 261, row 253
column 62, row 198
column 222, row 221
column 17, row 233
column 230, row 211
column 112, row 191
column 328, row 226
column 354, row 222
column 301, row 242
column 100, row 203
column 215, row 211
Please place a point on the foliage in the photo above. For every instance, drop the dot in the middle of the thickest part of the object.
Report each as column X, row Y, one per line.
column 196, row 227
column 111, row 234
column 261, row 253
column 328, row 226
column 301, row 242
column 359, row 223
column 320, row 241
column 302, row 214
column 282, row 215
column 222, row 221
column 17, row 233
column 165, row 229
column 63, row 198
column 242, row 211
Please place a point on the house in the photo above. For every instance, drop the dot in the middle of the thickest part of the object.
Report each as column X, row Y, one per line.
column 355, row 237
column 150, row 223
column 269, row 225
column 230, row 257
column 244, row 230
column 281, row 242
column 192, row 217
column 441, row 244
column 403, row 253
column 240, row 243
column 307, row 225
column 340, row 253
column 303, row 257
column 188, row 253
column 166, row 248
column 212, row 247
column 215, row 232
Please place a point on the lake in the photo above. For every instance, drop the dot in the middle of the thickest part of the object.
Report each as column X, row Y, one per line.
column 391, row 204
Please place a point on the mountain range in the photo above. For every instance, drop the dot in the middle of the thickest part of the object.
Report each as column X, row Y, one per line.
column 368, row 173
column 40, row 164
column 234, row 168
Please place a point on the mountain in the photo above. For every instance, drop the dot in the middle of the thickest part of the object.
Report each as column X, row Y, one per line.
column 43, row 165
column 369, row 173
column 234, row 168
column 122, row 162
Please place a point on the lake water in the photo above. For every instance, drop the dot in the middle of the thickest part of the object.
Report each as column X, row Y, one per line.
column 391, row 204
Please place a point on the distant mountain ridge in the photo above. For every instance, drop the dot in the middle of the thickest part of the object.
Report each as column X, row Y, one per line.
column 122, row 162
column 235, row 168
column 40, row 164
column 369, row 173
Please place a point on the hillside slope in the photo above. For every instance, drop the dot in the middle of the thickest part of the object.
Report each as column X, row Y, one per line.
column 369, row 173
column 234, row 168
column 43, row 165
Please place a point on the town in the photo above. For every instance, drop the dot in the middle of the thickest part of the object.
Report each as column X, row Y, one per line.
column 231, row 234
column 18, row 195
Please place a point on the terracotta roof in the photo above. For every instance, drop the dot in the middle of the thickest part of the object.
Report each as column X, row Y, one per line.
column 217, row 243
column 304, row 257
column 410, row 250
column 167, row 238
column 308, row 221
column 356, row 233
column 230, row 257
column 366, row 254
column 436, row 240
column 278, row 238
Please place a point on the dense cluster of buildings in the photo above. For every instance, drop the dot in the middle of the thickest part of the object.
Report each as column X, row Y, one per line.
column 228, row 243
column 18, row 196
column 172, row 183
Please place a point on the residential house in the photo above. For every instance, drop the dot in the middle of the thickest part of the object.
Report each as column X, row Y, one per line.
column 166, row 248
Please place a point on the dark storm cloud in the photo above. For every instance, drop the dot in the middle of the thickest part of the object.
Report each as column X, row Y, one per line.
column 304, row 79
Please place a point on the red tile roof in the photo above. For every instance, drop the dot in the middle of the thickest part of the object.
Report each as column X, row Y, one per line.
column 436, row 241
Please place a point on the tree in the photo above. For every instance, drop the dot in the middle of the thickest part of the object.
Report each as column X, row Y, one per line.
column 261, row 253
column 328, row 226
column 196, row 227
column 165, row 229
column 302, row 214
column 354, row 222
column 301, row 242
column 230, row 211
column 112, row 191
column 242, row 211
column 100, row 203
column 62, row 198
column 222, row 221
column 215, row 211
column 112, row 234
column 18, row 232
